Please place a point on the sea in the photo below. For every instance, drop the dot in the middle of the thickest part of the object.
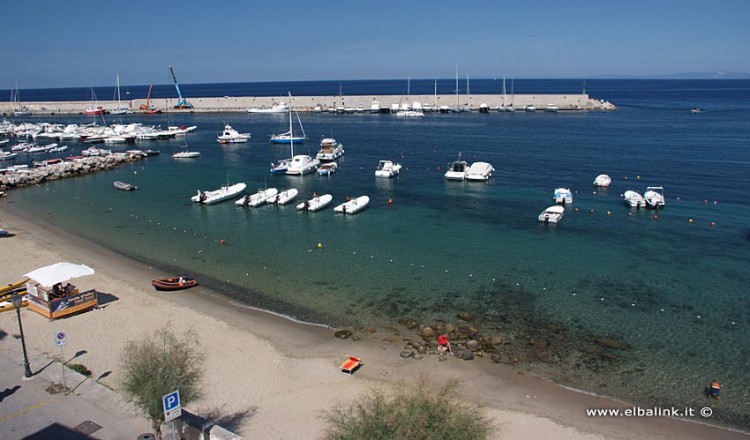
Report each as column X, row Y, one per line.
column 641, row 305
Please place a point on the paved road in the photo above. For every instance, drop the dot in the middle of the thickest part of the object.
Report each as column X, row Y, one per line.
column 27, row 411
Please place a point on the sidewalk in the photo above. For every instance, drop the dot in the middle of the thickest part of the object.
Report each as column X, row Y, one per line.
column 90, row 410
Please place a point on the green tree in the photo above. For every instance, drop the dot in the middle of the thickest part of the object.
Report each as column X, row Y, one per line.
column 158, row 365
column 409, row 413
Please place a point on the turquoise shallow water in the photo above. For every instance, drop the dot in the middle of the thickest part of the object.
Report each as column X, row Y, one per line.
column 674, row 292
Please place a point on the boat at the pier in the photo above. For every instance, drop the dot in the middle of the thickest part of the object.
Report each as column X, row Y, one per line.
column 457, row 169
column 123, row 186
column 259, row 198
column 327, row 168
column 186, row 154
column 232, row 136
column 479, row 172
column 316, row 203
column 218, row 195
column 353, row 206
column 330, row 149
column 563, row 196
column 119, row 110
column 280, row 107
column 289, row 137
column 551, row 108
column 654, row 197
column 553, row 214
column 387, row 168
column 634, row 199
column 174, row 283
column 602, row 180
column 529, row 108
column 5, row 155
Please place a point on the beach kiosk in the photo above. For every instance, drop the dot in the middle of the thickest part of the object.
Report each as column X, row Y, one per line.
column 49, row 297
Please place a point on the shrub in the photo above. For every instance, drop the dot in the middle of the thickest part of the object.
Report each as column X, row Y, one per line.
column 409, row 413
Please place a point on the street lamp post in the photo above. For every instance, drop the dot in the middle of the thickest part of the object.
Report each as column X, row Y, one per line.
column 16, row 300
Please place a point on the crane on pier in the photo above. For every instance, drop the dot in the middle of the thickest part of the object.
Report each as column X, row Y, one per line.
column 182, row 103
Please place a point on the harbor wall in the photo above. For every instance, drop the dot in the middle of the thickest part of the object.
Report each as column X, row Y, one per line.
column 307, row 103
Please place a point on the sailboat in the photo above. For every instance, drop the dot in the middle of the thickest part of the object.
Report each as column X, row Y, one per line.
column 288, row 137
column 297, row 164
column 410, row 112
column 505, row 107
column 119, row 110
column 15, row 100
column 458, row 108
column 94, row 109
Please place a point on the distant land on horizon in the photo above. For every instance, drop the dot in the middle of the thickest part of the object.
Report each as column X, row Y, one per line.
column 721, row 74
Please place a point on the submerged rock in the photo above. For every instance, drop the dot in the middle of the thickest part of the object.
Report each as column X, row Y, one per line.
column 465, row 316
column 343, row 334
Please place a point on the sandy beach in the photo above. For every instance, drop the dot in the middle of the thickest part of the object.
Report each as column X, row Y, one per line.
column 273, row 377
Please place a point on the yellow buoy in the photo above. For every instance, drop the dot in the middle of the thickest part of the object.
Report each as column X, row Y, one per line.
column 690, row 220
column 320, row 245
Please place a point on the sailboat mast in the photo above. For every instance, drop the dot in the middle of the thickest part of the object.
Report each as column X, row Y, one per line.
column 119, row 102
column 434, row 105
column 457, row 87
column 291, row 134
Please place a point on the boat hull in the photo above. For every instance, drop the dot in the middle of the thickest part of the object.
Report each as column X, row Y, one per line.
column 174, row 283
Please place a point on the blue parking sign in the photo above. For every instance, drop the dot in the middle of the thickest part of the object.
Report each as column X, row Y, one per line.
column 171, row 403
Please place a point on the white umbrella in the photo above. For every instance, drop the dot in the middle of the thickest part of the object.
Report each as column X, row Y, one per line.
column 58, row 273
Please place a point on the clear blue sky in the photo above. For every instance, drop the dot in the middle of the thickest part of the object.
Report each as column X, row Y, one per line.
column 74, row 43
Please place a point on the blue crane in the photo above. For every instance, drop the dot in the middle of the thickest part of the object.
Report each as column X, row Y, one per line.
column 182, row 103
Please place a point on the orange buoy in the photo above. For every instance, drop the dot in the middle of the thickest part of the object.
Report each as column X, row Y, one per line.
column 656, row 216
column 222, row 241
column 390, row 201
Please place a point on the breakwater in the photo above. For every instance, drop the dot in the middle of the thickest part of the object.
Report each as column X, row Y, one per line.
column 564, row 102
column 20, row 177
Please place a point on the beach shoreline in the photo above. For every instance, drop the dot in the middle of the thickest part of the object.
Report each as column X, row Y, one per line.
column 263, row 366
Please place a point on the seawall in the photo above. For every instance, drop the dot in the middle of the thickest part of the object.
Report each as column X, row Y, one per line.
column 565, row 102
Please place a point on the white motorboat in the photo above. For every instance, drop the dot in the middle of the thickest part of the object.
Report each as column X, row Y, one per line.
column 59, row 149
column 123, row 186
column 280, row 166
column 457, row 169
column 41, row 148
column 280, row 107
column 330, row 149
column 602, row 180
column 553, row 214
column 634, row 199
column 563, row 196
column 259, row 198
column 302, row 164
column 387, row 168
column 284, row 197
column 327, row 168
column 186, row 155
column 7, row 156
column 654, row 197
column 217, row 195
column 551, row 108
column 479, row 172
column 353, row 206
column 529, row 108
column 410, row 113
column 375, row 107
column 232, row 136
column 316, row 203
column 93, row 151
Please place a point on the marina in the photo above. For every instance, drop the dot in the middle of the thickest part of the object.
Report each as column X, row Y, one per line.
column 570, row 284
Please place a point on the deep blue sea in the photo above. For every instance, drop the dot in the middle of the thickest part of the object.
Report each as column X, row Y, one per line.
column 671, row 286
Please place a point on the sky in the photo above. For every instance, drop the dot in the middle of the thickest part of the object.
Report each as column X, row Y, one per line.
column 81, row 42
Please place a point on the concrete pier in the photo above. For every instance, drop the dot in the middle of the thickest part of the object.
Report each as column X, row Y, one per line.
column 565, row 102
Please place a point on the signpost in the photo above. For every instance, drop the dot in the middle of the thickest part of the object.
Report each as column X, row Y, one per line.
column 172, row 409
column 60, row 342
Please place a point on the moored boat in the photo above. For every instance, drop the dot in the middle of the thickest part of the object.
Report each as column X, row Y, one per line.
column 387, row 168
column 602, row 180
column 479, row 172
column 654, row 197
column 330, row 149
column 302, row 164
column 327, row 168
column 634, row 199
column 457, row 169
column 174, row 283
column 218, row 195
column 186, row 154
column 284, row 197
column 553, row 214
column 280, row 107
column 353, row 206
column 316, row 203
column 563, row 196
column 259, row 198
column 232, row 136
column 123, row 186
